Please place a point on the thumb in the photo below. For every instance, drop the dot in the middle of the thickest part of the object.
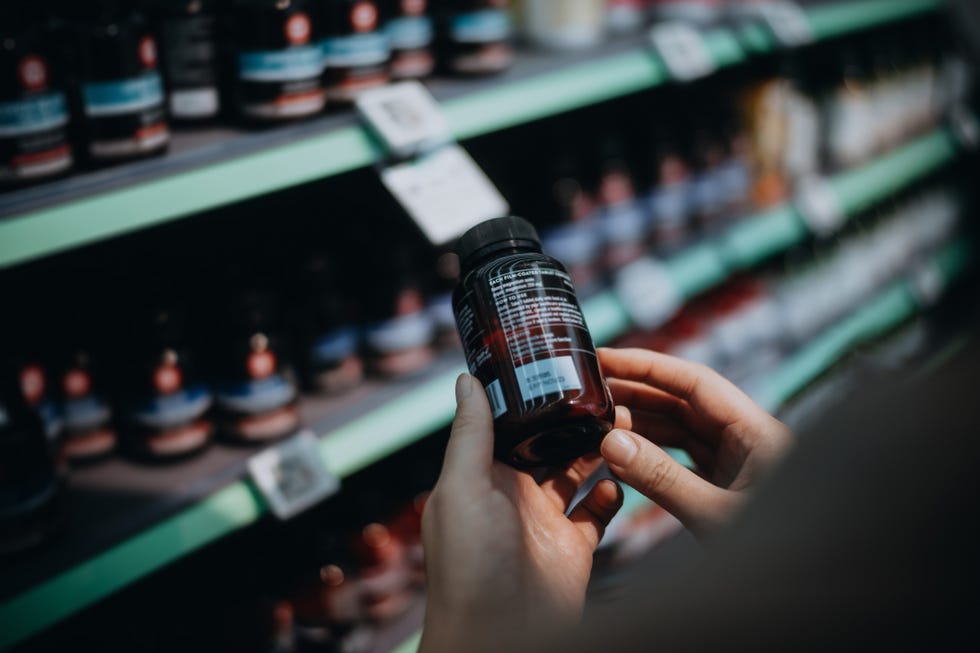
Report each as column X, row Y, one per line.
column 698, row 504
column 469, row 454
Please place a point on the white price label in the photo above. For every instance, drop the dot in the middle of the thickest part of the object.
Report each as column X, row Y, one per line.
column 445, row 192
column 683, row 50
column 965, row 126
column 292, row 476
column 820, row 206
column 648, row 292
column 406, row 118
column 788, row 22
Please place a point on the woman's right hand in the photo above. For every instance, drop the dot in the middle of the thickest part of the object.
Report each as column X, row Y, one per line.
column 674, row 403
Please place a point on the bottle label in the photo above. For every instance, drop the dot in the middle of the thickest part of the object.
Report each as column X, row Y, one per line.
column 124, row 96
column 292, row 64
column 32, row 137
column 498, row 405
column 334, row 347
column 409, row 32
column 172, row 410
column 86, row 413
column 355, row 50
column 549, row 376
column 256, row 396
column 480, row 26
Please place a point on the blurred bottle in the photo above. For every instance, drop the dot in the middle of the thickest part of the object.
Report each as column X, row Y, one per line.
column 31, row 488
column 473, row 37
column 764, row 111
column 189, row 50
column 163, row 401
column 850, row 119
column 330, row 359
column 276, row 60
column 625, row 15
column 445, row 278
column 624, row 221
column 384, row 575
column 410, row 34
column 255, row 392
column 564, row 24
column 33, row 104
column 670, row 200
column 120, row 106
column 354, row 48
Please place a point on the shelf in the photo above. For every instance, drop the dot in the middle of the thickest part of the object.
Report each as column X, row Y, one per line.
column 220, row 166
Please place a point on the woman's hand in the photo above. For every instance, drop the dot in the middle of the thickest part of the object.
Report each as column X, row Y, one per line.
column 502, row 557
column 674, row 403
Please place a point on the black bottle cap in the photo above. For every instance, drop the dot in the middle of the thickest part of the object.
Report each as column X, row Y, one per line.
column 495, row 234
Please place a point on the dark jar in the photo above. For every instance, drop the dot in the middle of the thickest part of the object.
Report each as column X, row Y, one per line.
column 410, row 33
column 473, row 37
column 526, row 340
column 189, row 50
column 354, row 48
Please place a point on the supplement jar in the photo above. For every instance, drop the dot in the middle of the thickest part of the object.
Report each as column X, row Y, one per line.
column 526, row 340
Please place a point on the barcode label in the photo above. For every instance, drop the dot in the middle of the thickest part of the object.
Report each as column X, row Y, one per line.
column 496, row 397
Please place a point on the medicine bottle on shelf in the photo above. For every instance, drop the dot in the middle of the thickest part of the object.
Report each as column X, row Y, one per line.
column 120, row 98
column 33, row 105
column 410, row 33
column 354, row 48
column 189, row 50
column 526, row 340
column 473, row 37
column 277, row 60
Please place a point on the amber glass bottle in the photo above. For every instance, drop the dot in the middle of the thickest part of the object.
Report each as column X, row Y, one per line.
column 526, row 340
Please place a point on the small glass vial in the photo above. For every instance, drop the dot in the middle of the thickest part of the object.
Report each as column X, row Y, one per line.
column 526, row 340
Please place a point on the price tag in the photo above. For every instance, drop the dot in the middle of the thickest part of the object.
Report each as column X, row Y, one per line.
column 406, row 118
column 928, row 284
column 445, row 192
column 648, row 292
column 965, row 126
column 820, row 206
column 683, row 50
column 788, row 22
column 292, row 476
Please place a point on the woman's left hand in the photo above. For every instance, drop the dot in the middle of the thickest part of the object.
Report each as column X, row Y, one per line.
column 502, row 557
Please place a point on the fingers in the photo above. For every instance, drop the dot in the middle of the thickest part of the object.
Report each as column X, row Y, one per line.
column 469, row 454
column 704, row 389
column 697, row 503
column 596, row 510
column 560, row 486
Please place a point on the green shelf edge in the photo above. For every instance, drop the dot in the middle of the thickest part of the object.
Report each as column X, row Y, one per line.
column 44, row 232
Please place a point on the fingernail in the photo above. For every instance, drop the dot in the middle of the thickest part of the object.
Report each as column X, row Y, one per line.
column 618, row 448
column 464, row 386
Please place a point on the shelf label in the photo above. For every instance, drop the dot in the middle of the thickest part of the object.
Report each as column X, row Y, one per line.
column 406, row 118
column 788, row 22
column 683, row 50
column 292, row 476
column 648, row 292
column 965, row 126
column 820, row 206
column 445, row 192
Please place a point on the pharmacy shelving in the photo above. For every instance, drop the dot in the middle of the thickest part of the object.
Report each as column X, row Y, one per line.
column 884, row 312
column 169, row 513
column 220, row 166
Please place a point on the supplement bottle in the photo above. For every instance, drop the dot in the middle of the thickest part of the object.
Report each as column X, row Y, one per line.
column 189, row 49
column 120, row 98
column 354, row 48
column 410, row 35
column 277, row 61
column 473, row 36
column 87, row 415
column 31, row 488
column 255, row 393
column 164, row 402
column 525, row 339
column 33, row 105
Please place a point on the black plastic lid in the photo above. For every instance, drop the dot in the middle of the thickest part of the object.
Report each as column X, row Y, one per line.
column 496, row 234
